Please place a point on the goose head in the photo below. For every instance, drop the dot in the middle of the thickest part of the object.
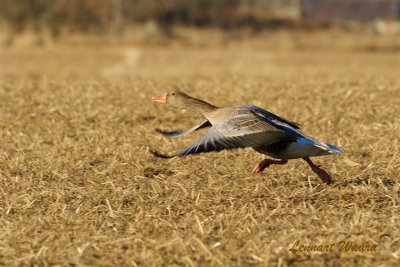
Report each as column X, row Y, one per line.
column 175, row 99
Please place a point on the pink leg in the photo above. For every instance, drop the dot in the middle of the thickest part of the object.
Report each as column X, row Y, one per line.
column 265, row 164
column 325, row 177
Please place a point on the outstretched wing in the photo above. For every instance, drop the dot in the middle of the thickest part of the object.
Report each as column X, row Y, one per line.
column 178, row 133
column 271, row 116
column 240, row 131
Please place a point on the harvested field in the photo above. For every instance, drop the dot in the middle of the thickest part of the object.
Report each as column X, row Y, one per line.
column 79, row 186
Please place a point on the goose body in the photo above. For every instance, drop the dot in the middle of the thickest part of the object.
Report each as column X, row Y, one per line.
column 303, row 147
column 248, row 126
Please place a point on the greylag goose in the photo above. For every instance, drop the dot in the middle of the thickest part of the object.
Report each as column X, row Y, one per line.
column 247, row 126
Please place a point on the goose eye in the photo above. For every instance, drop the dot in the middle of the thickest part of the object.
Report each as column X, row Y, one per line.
column 173, row 94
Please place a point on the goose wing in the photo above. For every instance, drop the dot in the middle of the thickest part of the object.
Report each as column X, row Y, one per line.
column 178, row 133
column 272, row 117
column 239, row 131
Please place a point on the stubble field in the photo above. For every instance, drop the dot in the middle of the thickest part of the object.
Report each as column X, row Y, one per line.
column 79, row 186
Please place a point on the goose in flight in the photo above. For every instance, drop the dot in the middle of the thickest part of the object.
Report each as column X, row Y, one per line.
column 247, row 126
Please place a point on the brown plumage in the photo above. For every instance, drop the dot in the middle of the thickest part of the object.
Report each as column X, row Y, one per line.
column 247, row 126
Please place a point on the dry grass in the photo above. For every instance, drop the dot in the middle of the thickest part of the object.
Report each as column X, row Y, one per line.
column 79, row 187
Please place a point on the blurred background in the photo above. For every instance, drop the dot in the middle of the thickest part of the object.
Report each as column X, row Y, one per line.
column 53, row 21
column 148, row 32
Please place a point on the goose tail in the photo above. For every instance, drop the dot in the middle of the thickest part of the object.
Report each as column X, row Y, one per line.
column 334, row 149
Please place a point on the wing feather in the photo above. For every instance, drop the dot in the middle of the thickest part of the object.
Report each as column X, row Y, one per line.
column 178, row 133
column 270, row 116
column 240, row 131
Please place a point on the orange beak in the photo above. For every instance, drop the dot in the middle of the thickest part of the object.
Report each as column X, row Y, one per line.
column 161, row 98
